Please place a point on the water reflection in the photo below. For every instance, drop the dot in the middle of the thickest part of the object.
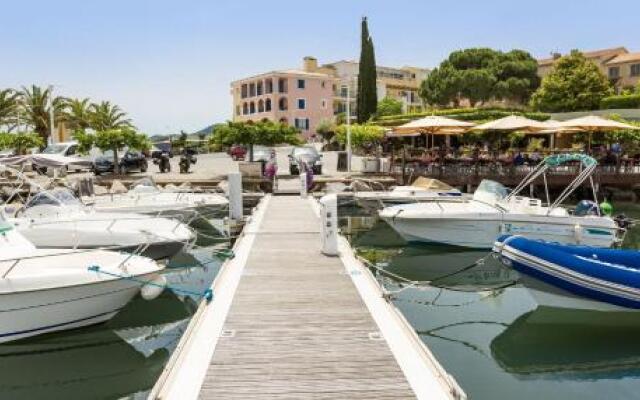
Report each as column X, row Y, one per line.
column 112, row 360
column 122, row 357
column 498, row 333
column 582, row 343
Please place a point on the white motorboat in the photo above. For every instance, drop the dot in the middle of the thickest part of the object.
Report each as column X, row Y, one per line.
column 494, row 211
column 46, row 290
column 56, row 219
column 145, row 197
column 422, row 190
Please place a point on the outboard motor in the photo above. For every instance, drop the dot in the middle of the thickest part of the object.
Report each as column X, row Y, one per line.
column 623, row 221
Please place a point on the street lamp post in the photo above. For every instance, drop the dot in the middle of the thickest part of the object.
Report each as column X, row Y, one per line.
column 51, row 116
column 348, row 127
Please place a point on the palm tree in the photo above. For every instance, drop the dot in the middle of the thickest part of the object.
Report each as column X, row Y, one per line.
column 37, row 102
column 106, row 116
column 9, row 108
column 79, row 114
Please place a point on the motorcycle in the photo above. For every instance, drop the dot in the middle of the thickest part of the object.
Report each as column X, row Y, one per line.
column 163, row 162
column 186, row 159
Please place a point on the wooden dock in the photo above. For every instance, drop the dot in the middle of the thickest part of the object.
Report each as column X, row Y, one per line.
column 289, row 322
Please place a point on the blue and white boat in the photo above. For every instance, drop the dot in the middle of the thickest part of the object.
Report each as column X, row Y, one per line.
column 605, row 275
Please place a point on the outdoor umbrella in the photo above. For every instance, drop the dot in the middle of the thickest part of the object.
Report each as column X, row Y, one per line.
column 432, row 125
column 553, row 127
column 593, row 123
column 511, row 123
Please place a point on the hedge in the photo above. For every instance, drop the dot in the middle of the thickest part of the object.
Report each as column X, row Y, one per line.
column 622, row 101
column 463, row 114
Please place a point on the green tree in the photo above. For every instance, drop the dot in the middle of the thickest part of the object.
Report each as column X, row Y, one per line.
column 36, row 104
column 264, row 133
column 574, row 84
column 480, row 75
column 389, row 106
column 367, row 98
column 106, row 116
column 79, row 115
column 442, row 86
column 114, row 140
column 9, row 108
column 24, row 141
column 327, row 130
column 361, row 134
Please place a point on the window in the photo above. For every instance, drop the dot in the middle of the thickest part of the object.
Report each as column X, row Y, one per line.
column 267, row 105
column 614, row 72
column 302, row 123
column 252, row 89
column 237, row 110
column 245, row 109
column 300, row 83
column 282, row 85
column 260, row 106
column 322, row 84
column 324, row 103
column 343, row 91
column 302, row 104
column 243, row 90
column 252, row 108
column 259, row 88
column 268, row 86
column 635, row 69
column 282, row 104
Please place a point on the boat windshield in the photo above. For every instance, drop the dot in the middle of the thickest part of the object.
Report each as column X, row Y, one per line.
column 54, row 149
column 144, row 185
column 55, row 197
column 490, row 191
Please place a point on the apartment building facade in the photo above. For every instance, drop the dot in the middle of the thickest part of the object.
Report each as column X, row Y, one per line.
column 618, row 64
column 306, row 97
column 402, row 84
column 294, row 97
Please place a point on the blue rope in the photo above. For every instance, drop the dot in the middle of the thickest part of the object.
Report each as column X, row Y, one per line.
column 207, row 294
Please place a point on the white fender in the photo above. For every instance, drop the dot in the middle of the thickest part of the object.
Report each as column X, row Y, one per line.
column 153, row 288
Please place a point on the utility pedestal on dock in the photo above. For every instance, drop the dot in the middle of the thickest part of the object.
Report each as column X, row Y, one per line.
column 288, row 322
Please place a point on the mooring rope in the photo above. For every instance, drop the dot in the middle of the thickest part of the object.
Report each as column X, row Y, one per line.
column 207, row 294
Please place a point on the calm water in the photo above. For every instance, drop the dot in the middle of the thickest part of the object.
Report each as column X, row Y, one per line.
column 486, row 329
column 118, row 359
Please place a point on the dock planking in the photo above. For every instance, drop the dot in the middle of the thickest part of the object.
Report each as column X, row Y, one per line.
column 297, row 327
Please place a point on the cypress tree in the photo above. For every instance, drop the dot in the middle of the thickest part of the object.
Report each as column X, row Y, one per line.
column 367, row 98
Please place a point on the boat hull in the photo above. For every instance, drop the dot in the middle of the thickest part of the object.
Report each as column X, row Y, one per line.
column 31, row 313
column 480, row 230
column 588, row 278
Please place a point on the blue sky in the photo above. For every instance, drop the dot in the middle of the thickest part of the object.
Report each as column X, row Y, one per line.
column 169, row 63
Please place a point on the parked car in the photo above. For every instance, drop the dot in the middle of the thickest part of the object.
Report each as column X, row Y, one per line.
column 67, row 149
column 237, row 152
column 262, row 153
column 132, row 160
column 307, row 154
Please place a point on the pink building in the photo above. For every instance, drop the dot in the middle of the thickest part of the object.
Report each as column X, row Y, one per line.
column 295, row 97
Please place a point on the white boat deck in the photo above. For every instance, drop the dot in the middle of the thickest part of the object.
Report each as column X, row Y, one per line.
column 290, row 323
